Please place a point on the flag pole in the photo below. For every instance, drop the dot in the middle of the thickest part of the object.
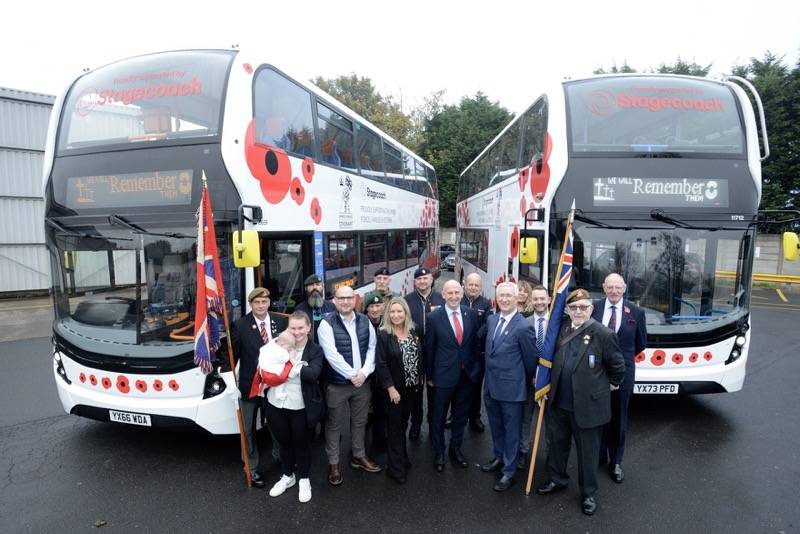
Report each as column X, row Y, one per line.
column 239, row 418
column 541, row 400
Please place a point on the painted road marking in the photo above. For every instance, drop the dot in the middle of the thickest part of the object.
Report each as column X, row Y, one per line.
column 781, row 295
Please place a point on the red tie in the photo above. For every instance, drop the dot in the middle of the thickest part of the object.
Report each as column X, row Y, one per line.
column 263, row 330
column 459, row 330
column 612, row 321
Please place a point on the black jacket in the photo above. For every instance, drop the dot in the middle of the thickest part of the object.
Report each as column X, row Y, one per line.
column 389, row 360
column 309, row 383
column 247, row 343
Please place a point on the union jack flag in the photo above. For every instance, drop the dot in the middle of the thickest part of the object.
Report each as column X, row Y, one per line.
column 557, row 305
column 210, row 291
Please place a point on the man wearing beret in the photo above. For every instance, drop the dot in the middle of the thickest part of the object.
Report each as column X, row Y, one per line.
column 315, row 305
column 421, row 302
column 382, row 280
column 587, row 364
column 248, row 335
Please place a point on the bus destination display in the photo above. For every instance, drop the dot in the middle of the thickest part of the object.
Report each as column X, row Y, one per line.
column 133, row 189
column 624, row 191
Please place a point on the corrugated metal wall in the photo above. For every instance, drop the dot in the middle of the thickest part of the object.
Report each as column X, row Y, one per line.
column 24, row 262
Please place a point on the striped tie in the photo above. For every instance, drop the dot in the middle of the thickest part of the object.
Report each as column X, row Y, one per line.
column 540, row 335
column 263, row 330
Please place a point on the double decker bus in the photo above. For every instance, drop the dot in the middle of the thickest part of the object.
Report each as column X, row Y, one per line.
column 665, row 173
column 319, row 188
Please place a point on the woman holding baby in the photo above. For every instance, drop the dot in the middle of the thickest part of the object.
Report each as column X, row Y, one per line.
column 294, row 405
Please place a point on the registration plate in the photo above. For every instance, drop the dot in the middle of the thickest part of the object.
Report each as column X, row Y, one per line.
column 129, row 418
column 657, row 389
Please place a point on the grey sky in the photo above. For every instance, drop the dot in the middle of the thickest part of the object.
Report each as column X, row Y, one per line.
column 409, row 48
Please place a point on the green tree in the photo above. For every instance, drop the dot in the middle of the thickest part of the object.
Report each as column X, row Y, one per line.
column 624, row 69
column 454, row 137
column 682, row 67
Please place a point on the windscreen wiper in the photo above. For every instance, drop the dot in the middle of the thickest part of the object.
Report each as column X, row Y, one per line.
column 116, row 219
column 659, row 215
column 73, row 233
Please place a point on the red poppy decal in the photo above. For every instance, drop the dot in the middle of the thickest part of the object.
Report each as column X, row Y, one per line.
column 298, row 191
column 308, row 170
column 106, row 382
column 316, row 211
column 523, row 179
column 93, row 380
column 141, row 385
column 158, row 385
column 269, row 165
column 123, row 384
column 540, row 170
column 658, row 357
column 693, row 357
column 82, row 377
column 515, row 242
column 523, row 206
column 640, row 357
column 173, row 385
column 677, row 358
column 707, row 356
column 248, row 68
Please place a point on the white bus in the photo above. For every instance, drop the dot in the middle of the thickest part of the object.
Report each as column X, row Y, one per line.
column 665, row 172
column 326, row 191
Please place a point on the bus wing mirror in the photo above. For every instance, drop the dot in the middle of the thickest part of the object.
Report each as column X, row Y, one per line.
column 791, row 246
column 246, row 251
column 70, row 256
column 529, row 250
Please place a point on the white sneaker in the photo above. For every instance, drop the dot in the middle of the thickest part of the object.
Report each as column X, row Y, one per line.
column 304, row 495
column 282, row 485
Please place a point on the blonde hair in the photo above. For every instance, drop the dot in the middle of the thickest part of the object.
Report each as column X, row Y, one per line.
column 285, row 337
column 527, row 306
column 408, row 324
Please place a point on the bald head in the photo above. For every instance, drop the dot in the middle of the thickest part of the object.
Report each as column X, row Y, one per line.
column 614, row 287
column 472, row 285
column 452, row 293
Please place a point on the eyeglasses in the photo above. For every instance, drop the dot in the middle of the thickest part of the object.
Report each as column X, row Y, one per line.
column 344, row 298
column 581, row 307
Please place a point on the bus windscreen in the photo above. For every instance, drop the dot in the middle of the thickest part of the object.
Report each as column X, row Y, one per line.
column 174, row 95
column 645, row 115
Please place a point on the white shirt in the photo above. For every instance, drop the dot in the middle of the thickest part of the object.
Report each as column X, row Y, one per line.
column 328, row 343
column 506, row 318
column 607, row 313
column 288, row 395
column 450, row 313
column 534, row 319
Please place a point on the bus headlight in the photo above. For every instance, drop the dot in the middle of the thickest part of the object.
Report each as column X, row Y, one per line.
column 739, row 341
column 60, row 371
column 214, row 386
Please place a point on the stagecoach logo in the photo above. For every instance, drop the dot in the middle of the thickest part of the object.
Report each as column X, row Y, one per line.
column 652, row 99
column 627, row 191
column 345, row 215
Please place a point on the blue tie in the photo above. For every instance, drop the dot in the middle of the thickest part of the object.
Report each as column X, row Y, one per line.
column 498, row 331
column 540, row 335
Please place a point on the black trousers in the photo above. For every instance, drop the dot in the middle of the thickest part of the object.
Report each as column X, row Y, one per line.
column 378, row 417
column 397, row 416
column 294, row 437
column 475, row 399
column 416, row 413
column 561, row 429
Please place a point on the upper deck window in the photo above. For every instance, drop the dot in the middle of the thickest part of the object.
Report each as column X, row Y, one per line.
column 172, row 95
column 653, row 114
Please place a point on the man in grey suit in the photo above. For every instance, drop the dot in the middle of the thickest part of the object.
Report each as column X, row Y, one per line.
column 587, row 364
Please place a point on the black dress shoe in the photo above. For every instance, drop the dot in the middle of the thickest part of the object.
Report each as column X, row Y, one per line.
column 493, row 465
column 457, row 458
column 549, row 488
column 256, row 481
column 503, row 484
column 413, row 434
column 589, row 506
column 617, row 474
column 438, row 463
column 400, row 479
column 477, row 425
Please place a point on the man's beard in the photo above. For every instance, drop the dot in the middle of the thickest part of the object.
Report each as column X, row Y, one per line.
column 315, row 299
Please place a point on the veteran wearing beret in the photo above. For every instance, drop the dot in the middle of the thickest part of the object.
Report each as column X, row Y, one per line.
column 586, row 364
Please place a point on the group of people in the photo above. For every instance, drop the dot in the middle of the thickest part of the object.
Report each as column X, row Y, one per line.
column 461, row 351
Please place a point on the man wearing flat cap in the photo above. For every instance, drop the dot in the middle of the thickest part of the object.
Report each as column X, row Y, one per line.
column 248, row 335
column 587, row 364
column 315, row 305
column 421, row 302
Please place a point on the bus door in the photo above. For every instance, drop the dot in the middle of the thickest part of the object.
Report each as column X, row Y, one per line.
column 287, row 261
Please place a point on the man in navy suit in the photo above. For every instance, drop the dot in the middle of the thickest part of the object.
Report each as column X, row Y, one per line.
column 511, row 357
column 628, row 322
column 451, row 340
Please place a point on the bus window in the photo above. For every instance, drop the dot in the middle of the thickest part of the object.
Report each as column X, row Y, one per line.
column 341, row 261
column 412, row 247
column 373, row 255
column 336, row 138
column 397, row 259
column 370, row 159
column 394, row 166
column 508, row 153
column 283, row 114
column 534, row 126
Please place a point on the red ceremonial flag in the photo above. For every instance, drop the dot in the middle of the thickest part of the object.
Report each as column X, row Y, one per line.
column 210, row 291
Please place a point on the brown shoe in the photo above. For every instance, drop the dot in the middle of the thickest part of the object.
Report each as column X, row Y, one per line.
column 366, row 464
column 334, row 475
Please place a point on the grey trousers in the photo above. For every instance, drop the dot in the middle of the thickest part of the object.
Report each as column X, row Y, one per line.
column 340, row 397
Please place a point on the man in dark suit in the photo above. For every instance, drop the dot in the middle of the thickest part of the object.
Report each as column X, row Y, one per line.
column 474, row 299
column 511, row 357
column 587, row 362
column 453, row 367
column 421, row 302
column 248, row 335
column 628, row 322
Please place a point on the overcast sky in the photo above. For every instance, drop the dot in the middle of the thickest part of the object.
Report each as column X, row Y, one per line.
column 408, row 48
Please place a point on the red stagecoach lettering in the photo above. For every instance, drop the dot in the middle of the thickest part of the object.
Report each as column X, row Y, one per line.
column 128, row 96
column 656, row 104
